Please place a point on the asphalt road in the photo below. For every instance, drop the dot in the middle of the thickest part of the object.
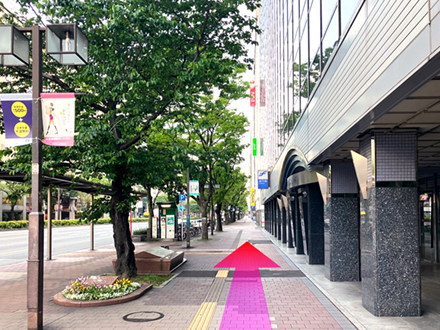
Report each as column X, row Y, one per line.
column 14, row 243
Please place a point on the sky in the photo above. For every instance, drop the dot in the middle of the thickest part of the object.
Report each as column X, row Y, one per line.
column 243, row 106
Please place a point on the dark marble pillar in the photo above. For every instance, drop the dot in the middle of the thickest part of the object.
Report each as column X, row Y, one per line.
column 269, row 214
column 390, row 252
column 272, row 217
column 315, row 225
column 279, row 217
column 290, row 243
column 341, row 224
column 284, row 223
column 297, row 220
column 275, row 218
column 342, row 259
column 390, row 260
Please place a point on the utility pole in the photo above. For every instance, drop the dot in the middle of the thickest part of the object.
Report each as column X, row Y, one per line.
column 188, row 236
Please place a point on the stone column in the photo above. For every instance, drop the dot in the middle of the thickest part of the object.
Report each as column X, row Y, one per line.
column 315, row 225
column 299, row 243
column 287, row 206
column 283, row 221
column 390, row 261
column 278, row 206
column 274, row 218
column 72, row 208
column 341, row 223
column 23, row 215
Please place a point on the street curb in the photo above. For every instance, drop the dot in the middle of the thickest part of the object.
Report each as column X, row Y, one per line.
column 59, row 299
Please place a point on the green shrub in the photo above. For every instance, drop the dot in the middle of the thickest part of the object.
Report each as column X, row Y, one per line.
column 60, row 223
column 103, row 220
column 140, row 231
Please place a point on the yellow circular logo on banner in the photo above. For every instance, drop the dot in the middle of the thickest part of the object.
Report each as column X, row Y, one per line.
column 22, row 129
column 19, row 109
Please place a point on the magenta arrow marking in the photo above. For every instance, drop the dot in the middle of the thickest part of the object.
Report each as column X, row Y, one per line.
column 246, row 306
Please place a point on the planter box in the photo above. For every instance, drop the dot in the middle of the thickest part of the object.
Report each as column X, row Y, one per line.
column 157, row 261
column 139, row 238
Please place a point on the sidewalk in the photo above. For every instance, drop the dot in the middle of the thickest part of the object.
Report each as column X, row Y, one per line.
column 293, row 301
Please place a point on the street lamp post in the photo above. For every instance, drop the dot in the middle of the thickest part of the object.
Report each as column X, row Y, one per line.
column 188, row 222
column 67, row 45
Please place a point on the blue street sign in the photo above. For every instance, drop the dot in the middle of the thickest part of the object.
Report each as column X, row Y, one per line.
column 182, row 198
column 263, row 179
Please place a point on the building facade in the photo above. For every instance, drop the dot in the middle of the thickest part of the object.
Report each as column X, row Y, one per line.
column 348, row 107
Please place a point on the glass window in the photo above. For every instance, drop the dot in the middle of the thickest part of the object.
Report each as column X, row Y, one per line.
column 295, row 19
column 304, row 57
column 290, row 123
column 302, row 4
column 314, row 28
column 315, row 69
column 303, row 21
column 348, row 8
column 330, row 40
column 328, row 8
column 289, row 5
column 304, row 92
column 296, row 79
column 290, row 92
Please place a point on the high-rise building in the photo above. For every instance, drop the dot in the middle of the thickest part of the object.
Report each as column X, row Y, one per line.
column 348, row 108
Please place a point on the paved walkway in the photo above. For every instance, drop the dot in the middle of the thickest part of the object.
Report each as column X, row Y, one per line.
column 293, row 302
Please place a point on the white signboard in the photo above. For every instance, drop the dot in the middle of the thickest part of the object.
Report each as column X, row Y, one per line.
column 194, row 188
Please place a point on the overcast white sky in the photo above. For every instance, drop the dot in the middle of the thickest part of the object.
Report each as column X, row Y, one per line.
column 243, row 105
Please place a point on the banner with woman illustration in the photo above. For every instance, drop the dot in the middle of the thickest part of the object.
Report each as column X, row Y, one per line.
column 58, row 118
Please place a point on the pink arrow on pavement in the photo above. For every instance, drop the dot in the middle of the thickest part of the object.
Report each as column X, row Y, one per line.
column 246, row 306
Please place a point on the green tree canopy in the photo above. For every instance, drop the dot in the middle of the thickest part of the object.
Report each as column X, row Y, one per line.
column 149, row 62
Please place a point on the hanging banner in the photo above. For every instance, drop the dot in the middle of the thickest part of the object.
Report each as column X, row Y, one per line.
column 58, row 118
column 252, row 198
column 262, row 93
column 253, row 94
column 17, row 116
column 194, row 188
column 254, row 146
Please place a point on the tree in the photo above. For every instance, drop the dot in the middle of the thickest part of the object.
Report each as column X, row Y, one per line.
column 149, row 61
column 215, row 135
column 15, row 192
column 231, row 180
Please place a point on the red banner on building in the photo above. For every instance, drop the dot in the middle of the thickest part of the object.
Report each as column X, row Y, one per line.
column 253, row 94
column 262, row 94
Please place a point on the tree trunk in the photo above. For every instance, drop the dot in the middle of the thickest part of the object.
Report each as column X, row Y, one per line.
column 218, row 211
column 150, row 213
column 125, row 262
column 204, row 224
column 203, row 204
column 12, row 211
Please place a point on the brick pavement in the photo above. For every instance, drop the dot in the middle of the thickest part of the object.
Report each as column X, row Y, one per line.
column 292, row 302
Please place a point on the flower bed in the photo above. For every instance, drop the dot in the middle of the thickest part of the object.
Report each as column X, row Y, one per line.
column 79, row 290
